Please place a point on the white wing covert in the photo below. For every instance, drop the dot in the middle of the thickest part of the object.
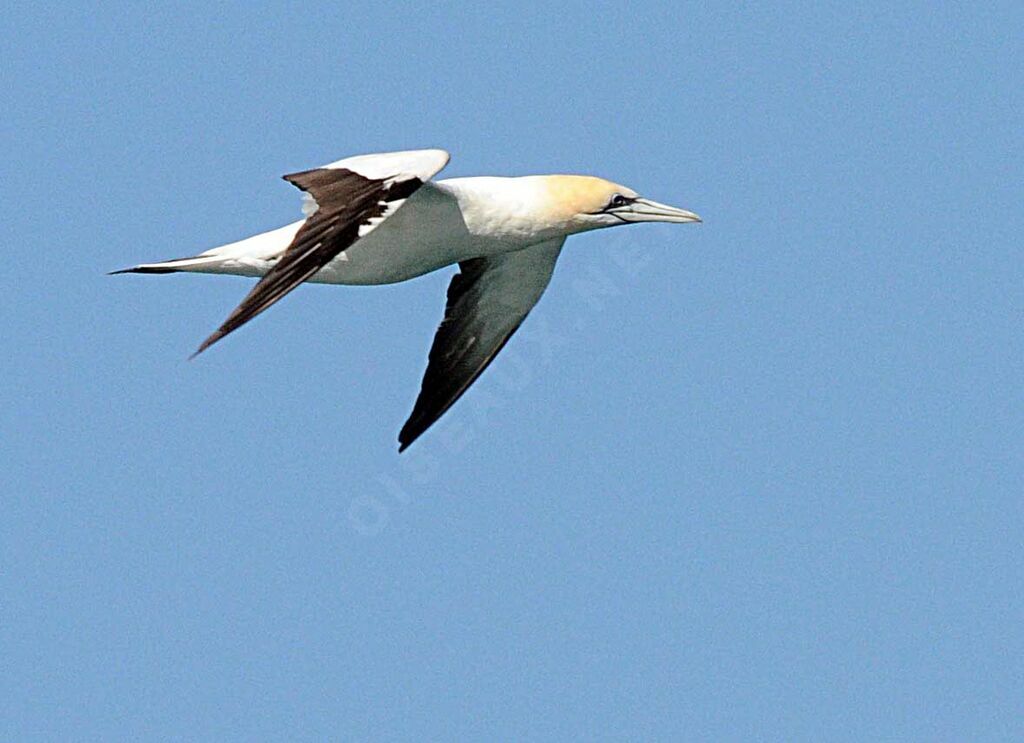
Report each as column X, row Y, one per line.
column 344, row 201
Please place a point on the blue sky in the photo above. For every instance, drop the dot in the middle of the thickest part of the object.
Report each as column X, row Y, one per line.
column 758, row 478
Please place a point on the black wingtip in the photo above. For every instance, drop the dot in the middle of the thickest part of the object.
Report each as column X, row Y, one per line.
column 411, row 432
column 406, row 437
column 216, row 336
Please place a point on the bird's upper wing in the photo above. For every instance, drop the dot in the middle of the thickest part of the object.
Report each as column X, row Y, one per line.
column 345, row 201
column 487, row 301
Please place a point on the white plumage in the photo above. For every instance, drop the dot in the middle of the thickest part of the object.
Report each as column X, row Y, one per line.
column 379, row 219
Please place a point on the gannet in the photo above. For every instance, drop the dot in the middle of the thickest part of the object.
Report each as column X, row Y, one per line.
column 380, row 219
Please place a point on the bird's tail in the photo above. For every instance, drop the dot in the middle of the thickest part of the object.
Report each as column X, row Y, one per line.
column 195, row 263
column 236, row 257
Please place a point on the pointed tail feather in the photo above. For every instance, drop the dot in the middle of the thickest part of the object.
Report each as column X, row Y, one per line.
column 173, row 266
column 265, row 246
column 144, row 269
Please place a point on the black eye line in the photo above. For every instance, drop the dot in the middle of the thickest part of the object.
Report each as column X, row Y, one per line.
column 622, row 200
column 607, row 209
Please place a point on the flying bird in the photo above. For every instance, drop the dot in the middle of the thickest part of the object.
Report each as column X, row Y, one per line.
column 380, row 219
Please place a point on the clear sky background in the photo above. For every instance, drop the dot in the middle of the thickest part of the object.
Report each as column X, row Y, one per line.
column 759, row 478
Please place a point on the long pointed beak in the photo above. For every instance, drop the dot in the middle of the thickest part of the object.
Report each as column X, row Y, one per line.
column 645, row 210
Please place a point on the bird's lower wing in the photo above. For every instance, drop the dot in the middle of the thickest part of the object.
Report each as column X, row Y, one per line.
column 487, row 301
column 345, row 201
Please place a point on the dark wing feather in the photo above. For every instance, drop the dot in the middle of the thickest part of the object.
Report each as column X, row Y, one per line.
column 347, row 205
column 487, row 302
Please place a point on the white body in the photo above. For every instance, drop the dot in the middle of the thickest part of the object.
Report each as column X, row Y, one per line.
column 442, row 223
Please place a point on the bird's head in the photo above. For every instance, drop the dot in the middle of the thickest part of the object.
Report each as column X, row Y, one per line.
column 584, row 203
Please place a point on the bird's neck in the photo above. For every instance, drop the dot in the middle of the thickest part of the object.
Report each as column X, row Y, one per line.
column 513, row 209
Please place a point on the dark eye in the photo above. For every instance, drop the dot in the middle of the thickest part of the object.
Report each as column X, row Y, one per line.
column 618, row 200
